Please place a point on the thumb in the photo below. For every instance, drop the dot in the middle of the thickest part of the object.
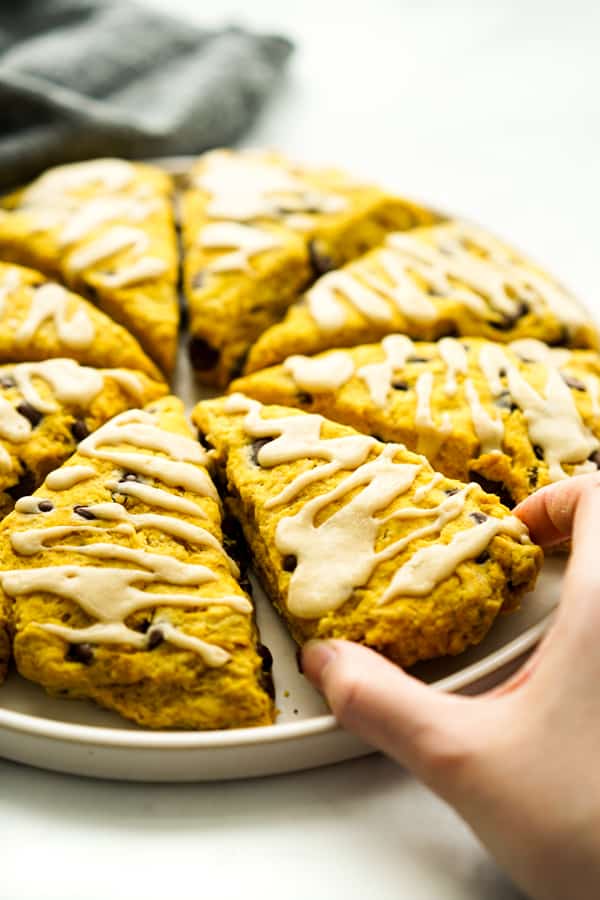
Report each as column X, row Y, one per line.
column 376, row 700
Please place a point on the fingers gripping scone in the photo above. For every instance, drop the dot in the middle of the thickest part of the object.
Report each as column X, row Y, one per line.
column 257, row 229
column 513, row 417
column 104, row 227
column 121, row 590
column 46, row 408
column 452, row 279
column 360, row 540
column 40, row 319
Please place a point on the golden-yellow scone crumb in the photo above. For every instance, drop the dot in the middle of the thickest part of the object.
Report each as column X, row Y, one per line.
column 450, row 279
column 40, row 319
column 361, row 540
column 513, row 417
column 105, row 228
column 120, row 588
column 46, row 408
column 257, row 229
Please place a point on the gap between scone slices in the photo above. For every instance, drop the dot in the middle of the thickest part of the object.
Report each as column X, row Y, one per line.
column 257, row 229
column 357, row 539
column 105, row 228
column 40, row 319
column 451, row 279
column 46, row 408
column 121, row 589
column 513, row 417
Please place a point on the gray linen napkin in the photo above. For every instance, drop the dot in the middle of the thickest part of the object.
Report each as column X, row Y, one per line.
column 85, row 78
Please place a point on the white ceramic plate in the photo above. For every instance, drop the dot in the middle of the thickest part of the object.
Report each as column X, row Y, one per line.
column 79, row 738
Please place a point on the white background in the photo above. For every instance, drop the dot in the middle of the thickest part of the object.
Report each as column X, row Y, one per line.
column 487, row 109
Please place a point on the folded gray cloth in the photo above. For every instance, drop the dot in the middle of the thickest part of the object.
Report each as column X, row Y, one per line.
column 85, row 78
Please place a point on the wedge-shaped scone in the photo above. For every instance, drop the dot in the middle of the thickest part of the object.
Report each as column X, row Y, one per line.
column 105, row 228
column 40, row 319
column 257, row 229
column 47, row 407
column 514, row 417
column 121, row 587
column 362, row 540
column 450, row 279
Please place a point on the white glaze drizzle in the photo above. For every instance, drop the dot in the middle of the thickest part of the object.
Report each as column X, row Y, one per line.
column 68, row 476
column 10, row 282
column 245, row 241
column 153, row 496
column 115, row 240
column 91, row 214
column 455, row 357
column 426, row 488
column 143, row 269
column 489, row 430
column 430, row 435
column 28, row 505
column 330, row 314
column 378, row 376
column 69, row 382
column 51, row 302
column 406, row 296
column 244, row 186
column 13, row 426
column 327, row 373
column 110, row 174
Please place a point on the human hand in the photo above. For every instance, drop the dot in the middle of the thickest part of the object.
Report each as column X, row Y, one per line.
column 520, row 763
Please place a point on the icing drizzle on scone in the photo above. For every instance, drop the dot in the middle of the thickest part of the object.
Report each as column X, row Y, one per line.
column 111, row 593
column 337, row 554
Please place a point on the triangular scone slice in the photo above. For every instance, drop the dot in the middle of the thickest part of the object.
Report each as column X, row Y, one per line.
column 40, row 319
column 452, row 279
column 362, row 540
column 106, row 229
column 47, row 407
column 513, row 417
column 257, row 229
column 122, row 590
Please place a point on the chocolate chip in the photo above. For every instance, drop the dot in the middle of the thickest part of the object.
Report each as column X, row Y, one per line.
column 416, row 359
column 7, row 381
column 505, row 401
column 493, row 487
column 204, row 442
column 538, row 451
column 304, row 398
column 320, row 261
column 256, row 447
column 482, row 558
column 266, row 657
column 79, row 430
column 452, row 491
column 509, row 322
column 155, row 638
column 289, row 562
column 203, row 357
column 199, row 281
column 84, row 512
column 80, row 653
column 33, row 415
column 144, row 626
column 45, row 506
column 25, row 486
column 532, row 476
column 400, row 385
column 299, row 660
column 573, row 382
column 478, row 517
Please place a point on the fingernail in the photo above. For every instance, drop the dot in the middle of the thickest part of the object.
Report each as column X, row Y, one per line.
column 316, row 656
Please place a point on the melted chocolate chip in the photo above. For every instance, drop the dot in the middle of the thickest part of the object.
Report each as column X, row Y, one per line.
column 400, row 385
column 266, row 657
column 26, row 485
column 321, row 262
column 532, row 476
column 573, row 382
column 45, row 506
column 7, row 381
column 493, row 487
column 203, row 357
column 452, row 491
column 143, row 626
column 538, row 451
column 289, row 563
column 505, row 401
column 81, row 653
column 508, row 322
column 482, row 558
column 478, row 517
column 204, row 442
column 304, row 398
column 155, row 638
column 84, row 512
column 33, row 415
column 255, row 448
column 199, row 281
column 79, row 430
column 416, row 359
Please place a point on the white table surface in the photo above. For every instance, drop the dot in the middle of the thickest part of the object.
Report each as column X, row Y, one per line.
column 488, row 109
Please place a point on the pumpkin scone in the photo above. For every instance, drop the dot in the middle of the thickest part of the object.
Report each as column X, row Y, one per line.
column 451, row 279
column 105, row 228
column 46, row 408
column 121, row 589
column 361, row 540
column 257, row 229
column 513, row 417
column 40, row 319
